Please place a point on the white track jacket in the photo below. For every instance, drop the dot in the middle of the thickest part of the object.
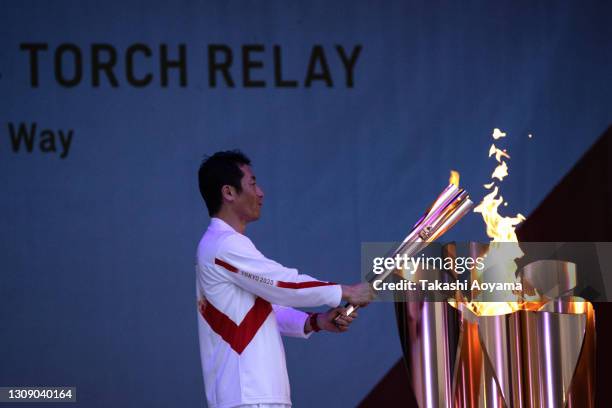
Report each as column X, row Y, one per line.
column 244, row 305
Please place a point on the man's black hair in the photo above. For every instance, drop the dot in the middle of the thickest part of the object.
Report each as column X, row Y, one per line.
column 218, row 170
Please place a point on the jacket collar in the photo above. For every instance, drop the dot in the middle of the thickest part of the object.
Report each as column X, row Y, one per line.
column 220, row 225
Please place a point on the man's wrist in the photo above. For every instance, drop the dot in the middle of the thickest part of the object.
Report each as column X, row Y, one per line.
column 312, row 323
column 307, row 328
column 346, row 292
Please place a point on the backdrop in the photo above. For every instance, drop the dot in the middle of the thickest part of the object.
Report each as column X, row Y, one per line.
column 353, row 113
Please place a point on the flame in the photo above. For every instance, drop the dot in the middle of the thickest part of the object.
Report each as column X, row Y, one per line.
column 493, row 308
column 498, row 134
column 504, row 248
column 500, row 171
column 498, row 153
column 454, row 178
column 500, row 229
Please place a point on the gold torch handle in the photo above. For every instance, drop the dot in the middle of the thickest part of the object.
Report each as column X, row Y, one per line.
column 349, row 309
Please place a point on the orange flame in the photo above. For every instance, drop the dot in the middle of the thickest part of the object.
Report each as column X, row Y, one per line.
column 500, row 229
column 498, row 153
column 503, row 248
column 500, row 171
column 454, row 178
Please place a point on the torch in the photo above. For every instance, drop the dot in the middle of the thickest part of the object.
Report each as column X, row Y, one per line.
column 536, row 351
column 450, row 206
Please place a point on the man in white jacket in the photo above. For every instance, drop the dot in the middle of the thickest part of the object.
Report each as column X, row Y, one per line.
column 245, row 300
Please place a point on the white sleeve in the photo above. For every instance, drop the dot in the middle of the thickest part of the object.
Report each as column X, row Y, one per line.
column 239, row 260
column 291, row 321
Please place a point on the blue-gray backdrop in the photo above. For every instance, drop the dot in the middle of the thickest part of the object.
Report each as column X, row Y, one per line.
column 97, row 273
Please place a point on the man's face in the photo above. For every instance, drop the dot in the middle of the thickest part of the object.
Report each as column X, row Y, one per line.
column 249, row 201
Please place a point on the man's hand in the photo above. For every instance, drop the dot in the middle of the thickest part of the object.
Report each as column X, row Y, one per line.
column 326, row 320
column 358, row 295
